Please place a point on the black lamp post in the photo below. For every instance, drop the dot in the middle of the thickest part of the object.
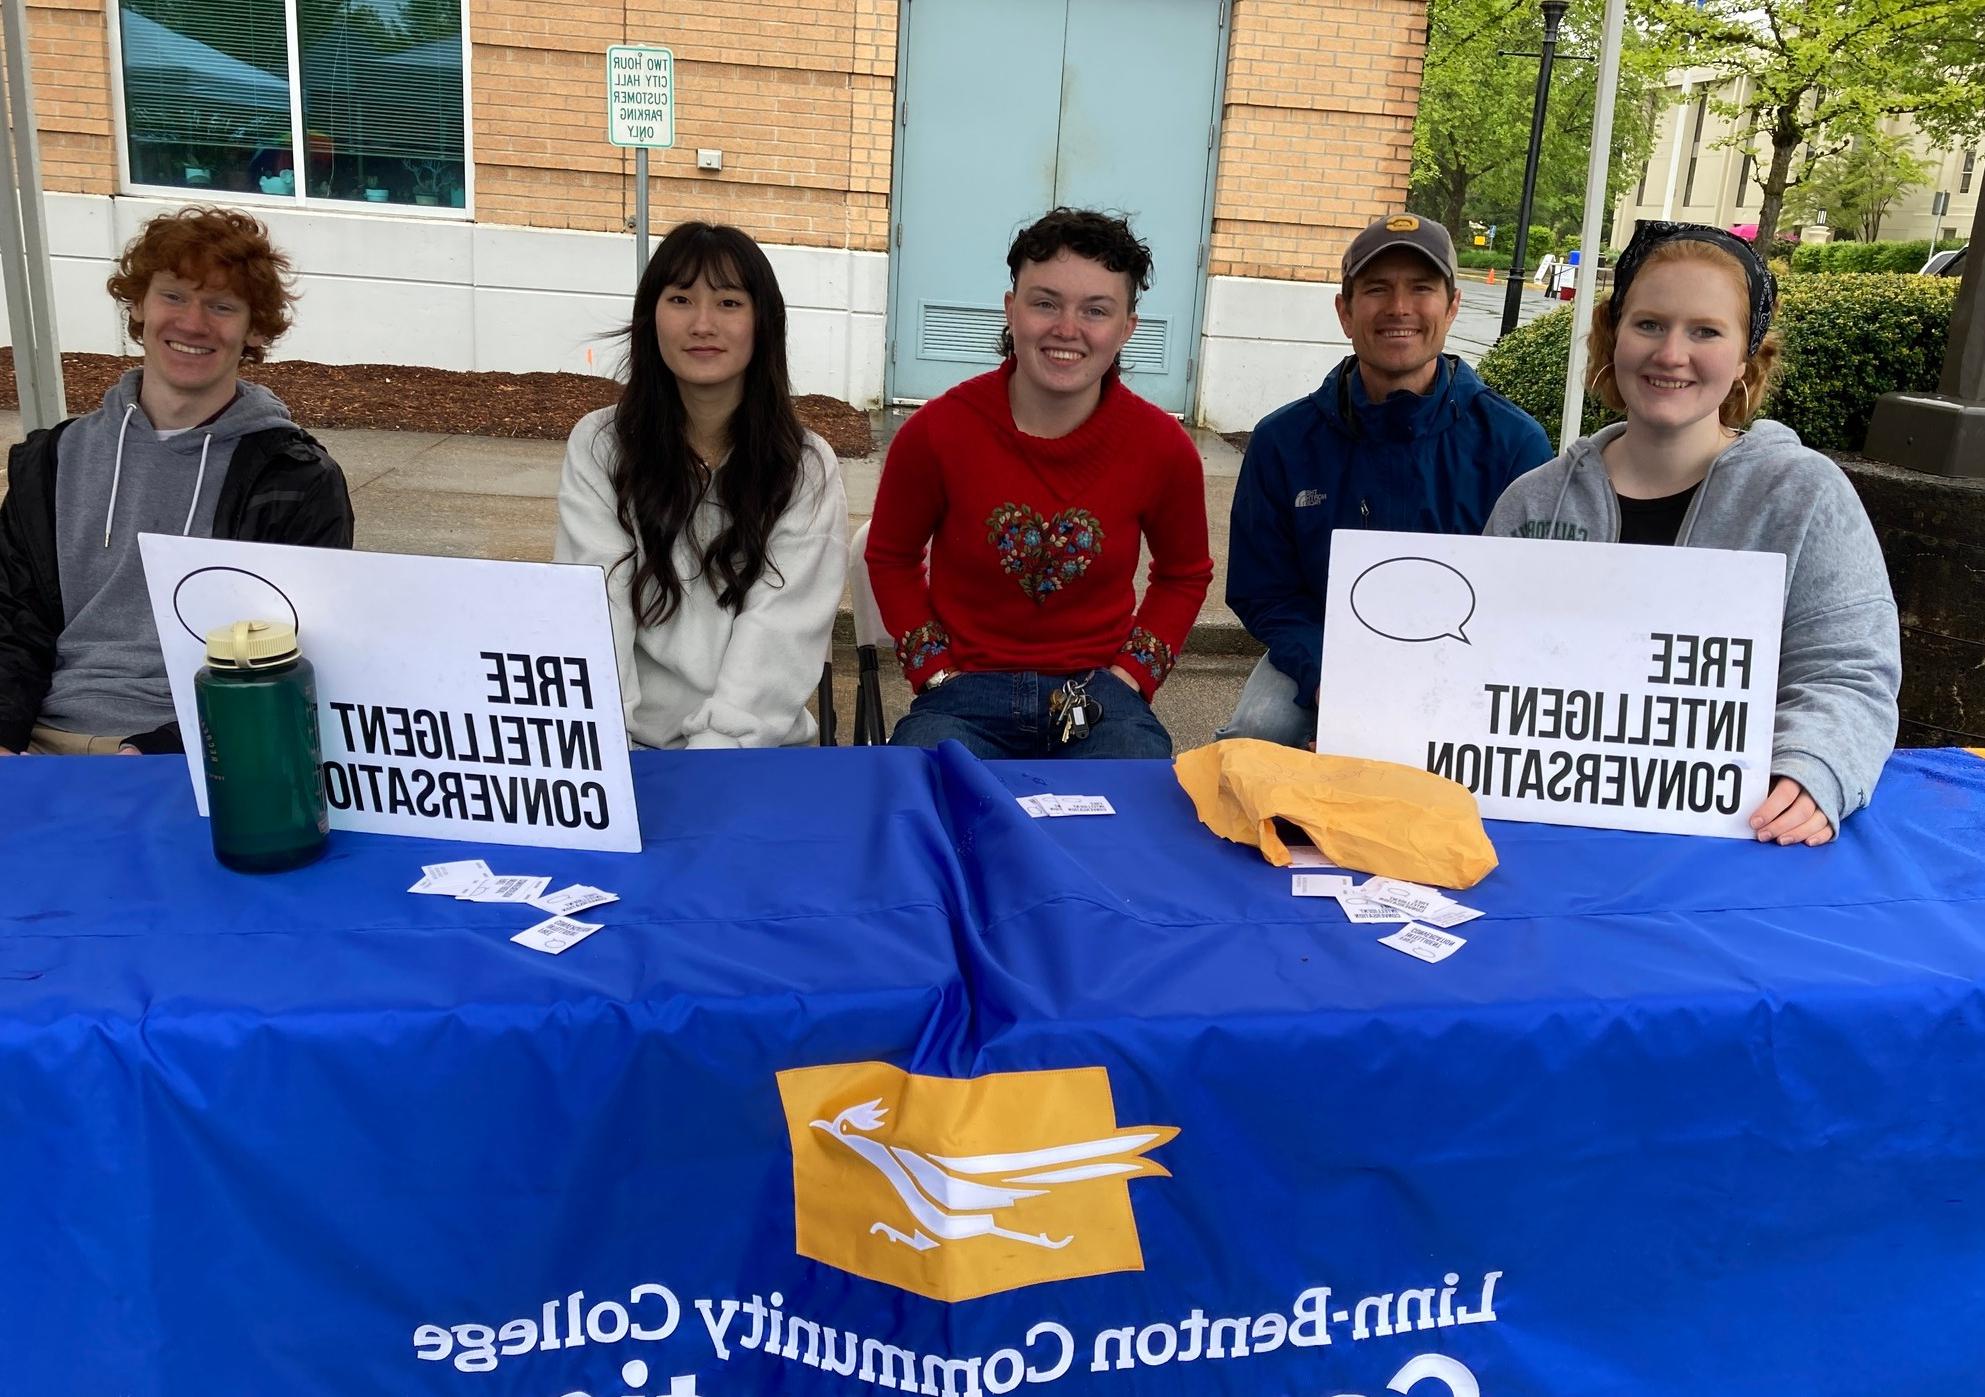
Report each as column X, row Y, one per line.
column 1554, row 13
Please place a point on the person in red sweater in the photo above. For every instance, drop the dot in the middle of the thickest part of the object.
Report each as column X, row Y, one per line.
column 1030, row 488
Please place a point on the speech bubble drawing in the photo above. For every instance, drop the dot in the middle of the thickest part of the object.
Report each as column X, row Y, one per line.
column 1414, row 600
column 209, row 598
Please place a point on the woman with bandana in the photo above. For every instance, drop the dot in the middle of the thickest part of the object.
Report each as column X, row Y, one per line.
column 1684, row 347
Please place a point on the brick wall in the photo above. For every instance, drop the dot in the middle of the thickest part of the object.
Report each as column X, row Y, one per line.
column 1318, row 130
column 69, row 44
column 800, row 97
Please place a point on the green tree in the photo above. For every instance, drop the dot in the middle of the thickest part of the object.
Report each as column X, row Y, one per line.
column 1855, row 187
column 1472, row 105
column 1815, row 74
column 1473, row 128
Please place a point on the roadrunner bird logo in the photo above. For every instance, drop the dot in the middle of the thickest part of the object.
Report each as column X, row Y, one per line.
column 944, row 1192
column 955, row 1188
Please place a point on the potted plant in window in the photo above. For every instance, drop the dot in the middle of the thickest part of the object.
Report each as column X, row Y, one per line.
column 210, row 138
column 375, row 192
column 199, row 166
column 427, row 180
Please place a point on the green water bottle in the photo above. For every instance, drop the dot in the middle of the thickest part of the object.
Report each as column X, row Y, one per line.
column 257, row 698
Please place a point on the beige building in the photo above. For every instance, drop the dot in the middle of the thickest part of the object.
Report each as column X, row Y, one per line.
column 442, row 173
column 1692, row 175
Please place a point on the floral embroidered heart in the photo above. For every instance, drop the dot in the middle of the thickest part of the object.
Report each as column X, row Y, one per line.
column 1043, row 555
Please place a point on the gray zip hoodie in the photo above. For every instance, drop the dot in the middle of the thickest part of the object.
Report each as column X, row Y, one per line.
column 117, row 480
column 1840, row 663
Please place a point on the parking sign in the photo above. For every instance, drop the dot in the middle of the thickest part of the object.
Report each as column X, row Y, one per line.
column 640, row 96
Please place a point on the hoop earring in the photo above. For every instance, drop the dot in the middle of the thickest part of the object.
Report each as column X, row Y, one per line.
column 1749, row 411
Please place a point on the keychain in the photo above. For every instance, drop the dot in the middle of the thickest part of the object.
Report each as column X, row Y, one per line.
column 1079, row 713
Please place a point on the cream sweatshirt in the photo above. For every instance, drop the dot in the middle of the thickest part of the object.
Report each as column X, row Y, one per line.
column 707, row 677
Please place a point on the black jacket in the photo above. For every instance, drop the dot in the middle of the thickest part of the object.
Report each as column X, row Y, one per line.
column 281, row 487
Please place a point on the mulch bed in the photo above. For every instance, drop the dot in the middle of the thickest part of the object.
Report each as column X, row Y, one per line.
column 398, row 398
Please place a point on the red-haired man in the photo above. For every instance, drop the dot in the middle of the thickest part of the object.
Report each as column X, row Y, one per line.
column 179, row 446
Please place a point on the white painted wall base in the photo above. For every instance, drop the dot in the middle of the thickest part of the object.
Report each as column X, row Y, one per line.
column 377, row 289
column 1266, row 343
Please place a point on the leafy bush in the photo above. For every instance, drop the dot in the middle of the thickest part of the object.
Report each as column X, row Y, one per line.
column 1527, row 366
column 1907, row 256
column 1861, row 257
column 1541, row 240
column 1857, row 257
column 1480, row 257
column 1849, row 338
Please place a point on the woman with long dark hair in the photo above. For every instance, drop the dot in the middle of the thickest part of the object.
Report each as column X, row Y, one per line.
column 720, row 521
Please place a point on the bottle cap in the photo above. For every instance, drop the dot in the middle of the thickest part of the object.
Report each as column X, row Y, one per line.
column 251, row 645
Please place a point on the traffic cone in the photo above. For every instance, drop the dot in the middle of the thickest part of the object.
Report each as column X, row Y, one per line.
column 1492, row 276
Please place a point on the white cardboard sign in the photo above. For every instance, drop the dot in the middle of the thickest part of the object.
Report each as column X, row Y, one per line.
column 458, row 698
column 1620, row 686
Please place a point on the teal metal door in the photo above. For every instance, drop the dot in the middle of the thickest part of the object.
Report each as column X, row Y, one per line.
column 1007, row 109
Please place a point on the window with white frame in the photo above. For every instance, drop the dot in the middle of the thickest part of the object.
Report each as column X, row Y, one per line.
column 1695, row 149
column 356, row 100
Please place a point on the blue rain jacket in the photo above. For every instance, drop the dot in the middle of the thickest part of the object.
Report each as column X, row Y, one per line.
column 1336, row 460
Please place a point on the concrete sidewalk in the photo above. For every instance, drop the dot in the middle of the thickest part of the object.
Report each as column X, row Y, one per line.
column 492, row 497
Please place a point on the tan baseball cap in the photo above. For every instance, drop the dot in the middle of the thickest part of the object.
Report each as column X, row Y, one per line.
column 1423, row 235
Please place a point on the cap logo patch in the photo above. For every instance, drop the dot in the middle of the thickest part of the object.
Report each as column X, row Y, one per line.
column 1401, row 223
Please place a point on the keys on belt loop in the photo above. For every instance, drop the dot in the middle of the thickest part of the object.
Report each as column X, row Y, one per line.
column 1077, row 711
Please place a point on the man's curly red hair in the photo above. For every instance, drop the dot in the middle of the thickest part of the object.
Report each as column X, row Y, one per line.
column 202, row 244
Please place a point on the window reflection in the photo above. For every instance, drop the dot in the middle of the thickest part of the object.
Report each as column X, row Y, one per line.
column 208, row 97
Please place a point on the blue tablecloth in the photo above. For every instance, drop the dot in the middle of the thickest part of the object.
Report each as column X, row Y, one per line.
column 1683, row 1116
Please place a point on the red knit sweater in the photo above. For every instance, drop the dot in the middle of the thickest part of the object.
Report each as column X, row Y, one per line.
column 1034, row 540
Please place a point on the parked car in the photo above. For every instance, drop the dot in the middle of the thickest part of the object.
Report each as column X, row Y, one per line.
column 1949, row 262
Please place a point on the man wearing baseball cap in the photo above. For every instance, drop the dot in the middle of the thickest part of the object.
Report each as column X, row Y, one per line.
column 1400, row 436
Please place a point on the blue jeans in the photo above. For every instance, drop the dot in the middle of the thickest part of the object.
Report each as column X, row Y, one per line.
column 1268, row 710
column 997, row 715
